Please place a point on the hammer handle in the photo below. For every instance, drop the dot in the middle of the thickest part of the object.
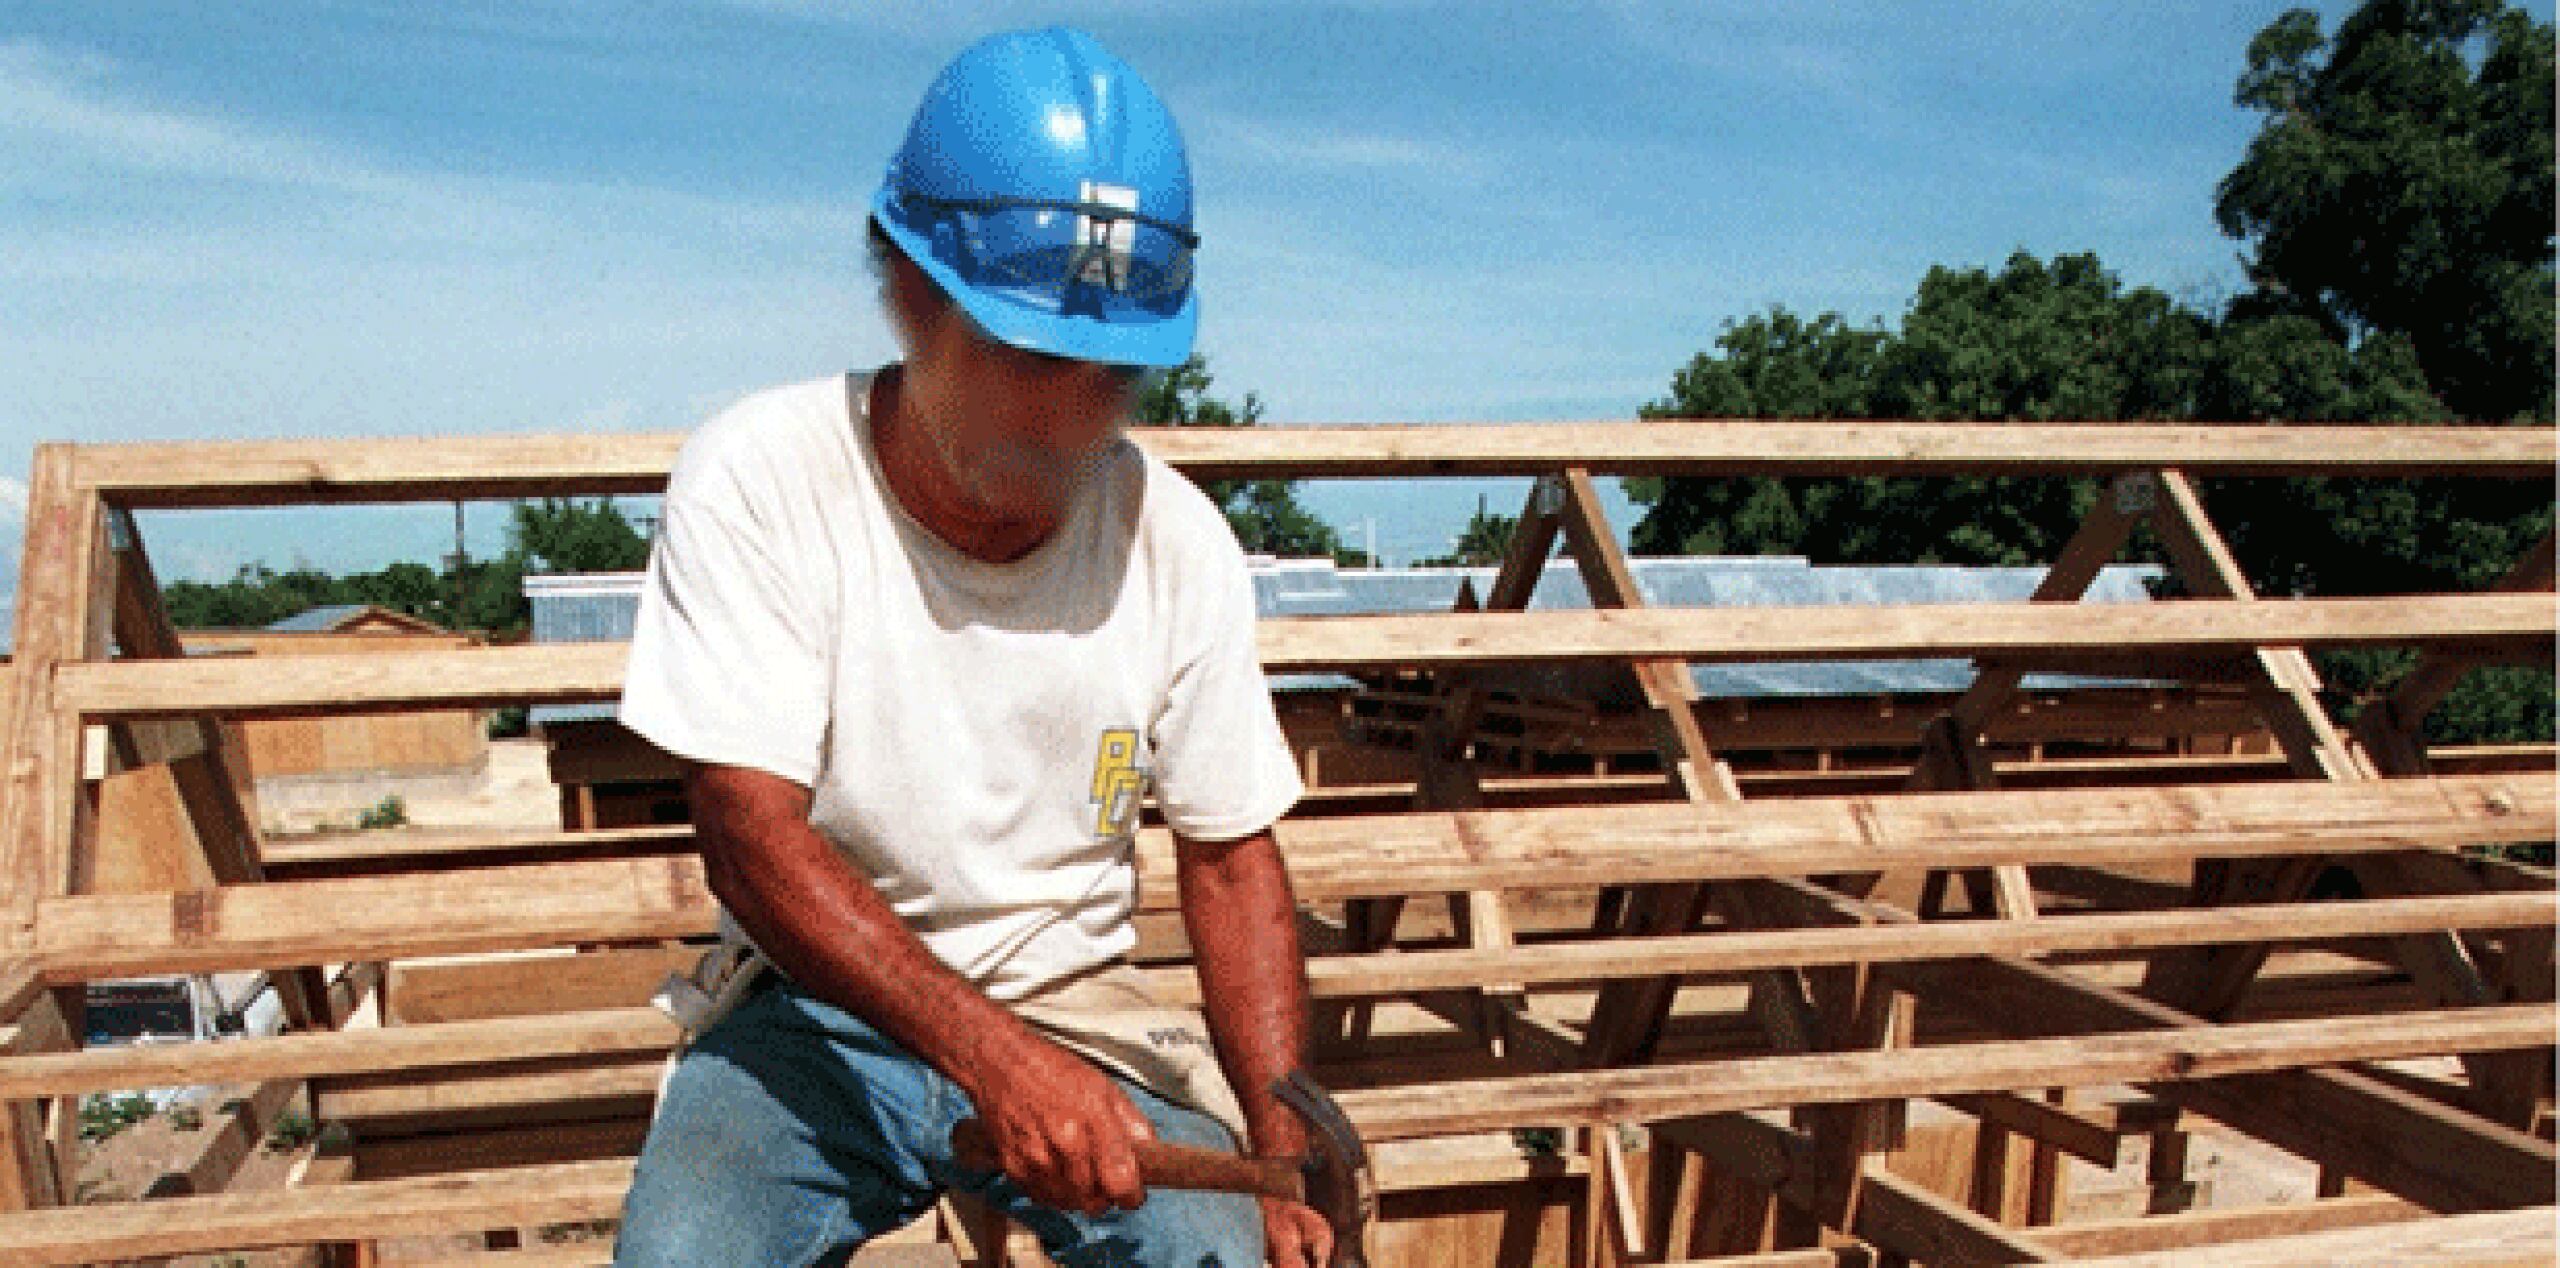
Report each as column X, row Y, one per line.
column 1162, row 1164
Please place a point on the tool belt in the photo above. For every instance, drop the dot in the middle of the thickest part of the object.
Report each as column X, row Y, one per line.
column 1104, row 1015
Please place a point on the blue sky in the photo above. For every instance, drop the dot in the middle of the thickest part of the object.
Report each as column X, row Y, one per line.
column 394, row 219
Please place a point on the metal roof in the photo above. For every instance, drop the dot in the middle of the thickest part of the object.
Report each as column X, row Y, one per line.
column 316, row 620
column 601, row 606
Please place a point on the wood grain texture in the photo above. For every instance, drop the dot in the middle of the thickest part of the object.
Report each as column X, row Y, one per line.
column 427, row 1206
column 444, row 468
column 554, row 904
column 2487, row 1238
column 580, row 1027
column 2489, row 624
column 1831, row 1078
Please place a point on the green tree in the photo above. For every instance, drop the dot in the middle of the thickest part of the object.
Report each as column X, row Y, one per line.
column 2401, row 181
column 2034, row 341
column 548, row 535
column 1775, row 365
column 1265, row 514
column 254, row 597
column 413, row 588
column 566, row 535
column 2398, row 203
column 1485, row 540
column 2065, row 340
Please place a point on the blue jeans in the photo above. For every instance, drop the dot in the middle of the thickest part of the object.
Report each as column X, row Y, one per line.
column 793, row 1132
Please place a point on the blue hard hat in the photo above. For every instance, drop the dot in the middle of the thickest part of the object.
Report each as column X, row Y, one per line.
column 1043, row 186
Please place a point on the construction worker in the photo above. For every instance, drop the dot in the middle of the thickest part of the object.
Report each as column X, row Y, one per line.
column 922, row 638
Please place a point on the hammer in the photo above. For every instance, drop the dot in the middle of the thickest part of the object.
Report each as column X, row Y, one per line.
column 1333, row 1179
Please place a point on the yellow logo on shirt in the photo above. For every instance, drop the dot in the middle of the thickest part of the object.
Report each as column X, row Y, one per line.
column 1118, row 781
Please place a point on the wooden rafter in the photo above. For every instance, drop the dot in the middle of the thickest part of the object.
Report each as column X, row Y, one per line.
column 2212, row 981
column 2517, row 626
column 204, row 756
column 2432, row 1154
column 1843, row 970
column 2389, row 728
column 448, row 468
column 309, row 922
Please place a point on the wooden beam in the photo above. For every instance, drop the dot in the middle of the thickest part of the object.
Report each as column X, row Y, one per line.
column 2432, row 1154
column 2391, row 728
column 1902, row 1218
column 47, row 814
column 515, row 985
column 2096, row 542
column 2521, row 1238
column 2417, row 695
column 220, row 1153
column 354, row 683
column 449, row 468
column 1864, row 1015
column 445, row 1044
column 419, row 850
column 2509, row 624
column 2288, row 682
column 1952, row 755
column 1628, row 1018
column 40, row 755
column 1896, row 1213
column 596, row 1254
column 2192, row 1229
column 513, row 908
column 2168, row 1057
column 1446, row 778
column 282, row 924
column 2212, row 982
column 206, row 774
column 382, row 1050
column 515, row 1089
column 1524, row 561
column 2071, row 1132
column 428, row 1206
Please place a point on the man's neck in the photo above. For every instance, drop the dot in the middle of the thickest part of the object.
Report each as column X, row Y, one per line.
column 927, row 492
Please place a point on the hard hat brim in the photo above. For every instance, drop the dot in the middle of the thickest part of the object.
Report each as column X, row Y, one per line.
column 1157, row 343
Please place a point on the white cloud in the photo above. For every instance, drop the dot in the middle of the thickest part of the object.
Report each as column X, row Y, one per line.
column 63, row 111
column 13, row 500
column 283, row 284
column 1333, row 147
column 52, row 97
column 949, row 18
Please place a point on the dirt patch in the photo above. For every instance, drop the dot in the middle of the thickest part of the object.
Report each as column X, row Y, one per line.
column 155, row 1154
column 511, row 789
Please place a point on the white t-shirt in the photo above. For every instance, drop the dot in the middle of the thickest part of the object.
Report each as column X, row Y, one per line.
column 976, row 737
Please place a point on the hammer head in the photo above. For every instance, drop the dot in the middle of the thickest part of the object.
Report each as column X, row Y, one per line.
column 1339, row 1186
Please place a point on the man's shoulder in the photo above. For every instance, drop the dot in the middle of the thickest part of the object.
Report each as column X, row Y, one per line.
column 1179, row 515
column 768, row 434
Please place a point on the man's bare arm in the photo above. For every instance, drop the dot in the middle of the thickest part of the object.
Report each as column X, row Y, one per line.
column 1243, row 922
column 1237, row 907
column 1059, row 1125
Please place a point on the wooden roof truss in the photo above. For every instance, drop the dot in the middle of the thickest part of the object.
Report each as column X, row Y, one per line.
column 1999, row 992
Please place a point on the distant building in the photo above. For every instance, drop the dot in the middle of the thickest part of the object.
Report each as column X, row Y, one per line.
column 299, row 773
column 418, row 741
column 354, row 618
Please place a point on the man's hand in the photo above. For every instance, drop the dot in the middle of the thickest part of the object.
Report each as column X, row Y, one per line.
column 1294, row 1236
column 1062, row 1130
column 1058, row 1126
